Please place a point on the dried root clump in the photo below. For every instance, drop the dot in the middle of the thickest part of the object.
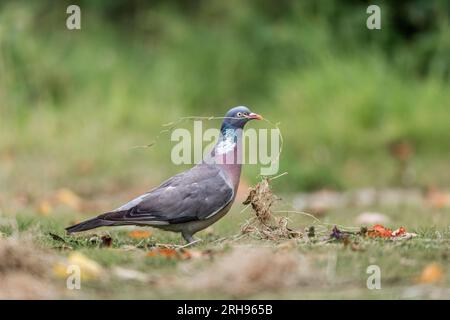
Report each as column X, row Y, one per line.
column 265, row 225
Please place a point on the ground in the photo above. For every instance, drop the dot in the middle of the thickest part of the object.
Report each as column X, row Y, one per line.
column 357, row 109
column 225, row 264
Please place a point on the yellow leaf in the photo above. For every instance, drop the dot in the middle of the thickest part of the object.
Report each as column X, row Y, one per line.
column 60, row 270
column 432, row 273
column 68, row 198
column 89, row 269
column 44, row 208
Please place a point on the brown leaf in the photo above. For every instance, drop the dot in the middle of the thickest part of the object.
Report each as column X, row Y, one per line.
column 106, row 241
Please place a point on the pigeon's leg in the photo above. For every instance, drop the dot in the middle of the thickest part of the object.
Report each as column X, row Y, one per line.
column 189, row 239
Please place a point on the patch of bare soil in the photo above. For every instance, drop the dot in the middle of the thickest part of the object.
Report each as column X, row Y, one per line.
column 245, row 271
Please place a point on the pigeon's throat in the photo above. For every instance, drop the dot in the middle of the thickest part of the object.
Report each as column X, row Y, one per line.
column 228, row 142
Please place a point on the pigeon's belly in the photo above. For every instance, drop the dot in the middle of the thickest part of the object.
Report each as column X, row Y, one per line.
column 195, row 226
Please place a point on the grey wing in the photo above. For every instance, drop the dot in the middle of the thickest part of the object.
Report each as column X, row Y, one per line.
column 193, row 195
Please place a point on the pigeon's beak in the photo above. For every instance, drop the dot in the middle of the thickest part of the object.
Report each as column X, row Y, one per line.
column 255, row 116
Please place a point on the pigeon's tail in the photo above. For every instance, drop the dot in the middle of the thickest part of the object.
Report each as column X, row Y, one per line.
column 88, row 224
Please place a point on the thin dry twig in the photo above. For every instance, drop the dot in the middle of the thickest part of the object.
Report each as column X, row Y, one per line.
column 173, row 124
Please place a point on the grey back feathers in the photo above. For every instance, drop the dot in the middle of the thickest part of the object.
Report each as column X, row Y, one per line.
column 192, row 195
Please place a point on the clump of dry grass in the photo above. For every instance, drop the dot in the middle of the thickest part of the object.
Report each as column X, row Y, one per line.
column 265, row 225
column 24, row 269
column 19, row 254
column 247, row 271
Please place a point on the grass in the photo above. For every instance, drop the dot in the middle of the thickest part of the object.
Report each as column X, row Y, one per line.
column 333, row 270
column 74, row 104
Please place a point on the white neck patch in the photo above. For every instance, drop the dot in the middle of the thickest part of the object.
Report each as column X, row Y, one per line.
column 227, row 143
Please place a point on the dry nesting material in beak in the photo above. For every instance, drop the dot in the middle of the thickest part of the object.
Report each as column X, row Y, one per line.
column 265, row 225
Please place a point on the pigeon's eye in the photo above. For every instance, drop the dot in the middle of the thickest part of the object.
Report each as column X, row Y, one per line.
column 239, row 114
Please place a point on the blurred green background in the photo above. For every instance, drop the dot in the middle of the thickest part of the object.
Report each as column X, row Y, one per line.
column 356, row 107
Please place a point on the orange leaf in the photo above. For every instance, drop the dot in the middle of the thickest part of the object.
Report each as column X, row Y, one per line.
column 379, row 231
column 139, row 234
column 163, row 252
column 168, row 253
column 432, row 273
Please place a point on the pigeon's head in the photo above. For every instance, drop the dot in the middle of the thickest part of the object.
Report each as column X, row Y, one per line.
column 237, row 117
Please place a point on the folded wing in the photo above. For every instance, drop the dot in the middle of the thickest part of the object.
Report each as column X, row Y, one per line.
column 193, row 195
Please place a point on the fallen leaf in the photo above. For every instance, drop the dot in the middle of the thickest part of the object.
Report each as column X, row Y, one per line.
column 139, row 234
column 68, row 198
column 168, row 253
column 44, row 208
column 106, row 241
column 432, row 273
column 89, row 269
column 379, row 231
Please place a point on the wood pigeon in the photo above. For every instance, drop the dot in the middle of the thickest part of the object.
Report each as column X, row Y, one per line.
column 194, row 199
